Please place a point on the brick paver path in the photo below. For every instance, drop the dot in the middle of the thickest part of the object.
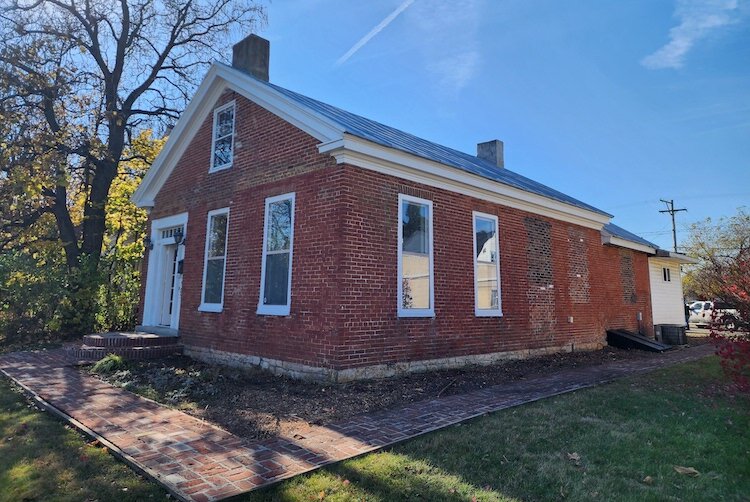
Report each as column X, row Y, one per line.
column 197, row 461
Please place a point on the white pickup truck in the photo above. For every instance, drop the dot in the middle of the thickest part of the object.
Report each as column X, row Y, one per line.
column 702, row 311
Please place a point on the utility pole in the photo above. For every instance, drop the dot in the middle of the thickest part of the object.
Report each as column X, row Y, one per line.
column 671, row 210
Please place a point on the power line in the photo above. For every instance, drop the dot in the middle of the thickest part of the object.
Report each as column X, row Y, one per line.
column 671, row 210
column 682, row 197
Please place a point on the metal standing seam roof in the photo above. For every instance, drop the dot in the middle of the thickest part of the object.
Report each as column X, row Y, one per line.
column 387, row 136
column 628, row 236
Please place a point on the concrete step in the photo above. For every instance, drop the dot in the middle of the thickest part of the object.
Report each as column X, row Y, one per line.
column 128, row 339
column 93, row 353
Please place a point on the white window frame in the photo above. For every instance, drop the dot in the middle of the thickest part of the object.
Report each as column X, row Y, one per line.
column 498, row 312
column 214, row 307
column 666, row 274
column 402, row 312
column 278, row 310
column 213, row 168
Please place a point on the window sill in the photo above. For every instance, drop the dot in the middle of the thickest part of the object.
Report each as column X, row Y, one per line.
column 210, row 307
column 488, row 313
column 416, row 313
column 220, row 168
column 275, row 310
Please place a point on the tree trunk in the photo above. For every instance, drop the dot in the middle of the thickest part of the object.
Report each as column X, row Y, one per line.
column 66, row 228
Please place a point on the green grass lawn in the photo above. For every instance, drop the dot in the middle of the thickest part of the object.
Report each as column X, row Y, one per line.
column 42, row 459
column 616, row 442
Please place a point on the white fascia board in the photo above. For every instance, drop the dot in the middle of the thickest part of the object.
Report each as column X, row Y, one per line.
column 362, row 153
column 663, row 254
column 612, row 240
column 219, row 78
column 182, row 133
column 312, row 123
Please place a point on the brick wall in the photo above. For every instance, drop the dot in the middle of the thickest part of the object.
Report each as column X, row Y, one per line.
column 343, row 312
column 271, row 158
column 550, row 271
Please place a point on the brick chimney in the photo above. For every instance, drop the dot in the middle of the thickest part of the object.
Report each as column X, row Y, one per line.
column 251, row 55
column 491, row 151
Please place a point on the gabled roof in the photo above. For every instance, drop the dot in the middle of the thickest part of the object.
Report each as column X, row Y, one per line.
column 365, row 143
column 391, row 137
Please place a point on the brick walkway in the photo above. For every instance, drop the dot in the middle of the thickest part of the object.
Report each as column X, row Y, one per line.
column 197, row 461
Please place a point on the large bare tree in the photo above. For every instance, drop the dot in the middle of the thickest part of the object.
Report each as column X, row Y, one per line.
column 78, row 79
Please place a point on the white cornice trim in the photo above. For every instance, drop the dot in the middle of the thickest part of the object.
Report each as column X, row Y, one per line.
column 365, row 154
column 345, row 148
column 218, row 79
column 312, row 123
column 612, row 240
column 663, row 254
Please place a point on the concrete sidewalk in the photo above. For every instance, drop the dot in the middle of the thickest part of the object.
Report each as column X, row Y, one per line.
column 197, row 461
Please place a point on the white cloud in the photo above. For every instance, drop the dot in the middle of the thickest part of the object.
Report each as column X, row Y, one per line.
column 454, row 72
column 448, row 34
column 444, row 36
column 698, row 19
column 377, row 29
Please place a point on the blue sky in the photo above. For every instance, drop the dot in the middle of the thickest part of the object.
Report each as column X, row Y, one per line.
column 617, row 103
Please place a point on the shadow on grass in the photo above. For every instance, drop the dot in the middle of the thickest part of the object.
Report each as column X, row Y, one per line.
column 42, row 459
column 382, row 476
column 605, row 441
column 620, row 440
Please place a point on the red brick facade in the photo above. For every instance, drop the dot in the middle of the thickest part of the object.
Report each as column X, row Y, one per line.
column 344, row 272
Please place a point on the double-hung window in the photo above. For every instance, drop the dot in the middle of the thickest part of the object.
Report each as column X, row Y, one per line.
column 222, row 146
column 486, row 266
column 214, row 265
column 415, row 275
column 276, row 267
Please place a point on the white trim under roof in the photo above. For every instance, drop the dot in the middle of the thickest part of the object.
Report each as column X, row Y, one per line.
column 346, row 149
column 613, row 240
column 368, row 155
column 218, row 79
column 678, row 257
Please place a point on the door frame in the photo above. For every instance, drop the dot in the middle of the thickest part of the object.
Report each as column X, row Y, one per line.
column 156, row 272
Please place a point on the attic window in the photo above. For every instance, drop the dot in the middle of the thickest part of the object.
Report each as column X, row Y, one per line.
column 666, row 274
column 222, row 146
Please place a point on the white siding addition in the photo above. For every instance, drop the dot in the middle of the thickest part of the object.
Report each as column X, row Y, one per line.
column 666, row 291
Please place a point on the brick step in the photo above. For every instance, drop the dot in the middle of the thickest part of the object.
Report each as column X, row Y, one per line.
column 123, row 339
column 89, row 353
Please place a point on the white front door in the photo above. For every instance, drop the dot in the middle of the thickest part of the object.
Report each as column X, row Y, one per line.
column 164, row 275
column 170, row 290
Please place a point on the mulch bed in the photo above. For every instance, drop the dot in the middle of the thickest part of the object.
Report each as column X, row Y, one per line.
column 255, row 404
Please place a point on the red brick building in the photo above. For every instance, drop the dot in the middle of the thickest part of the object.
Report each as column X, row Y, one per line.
column 291, row 234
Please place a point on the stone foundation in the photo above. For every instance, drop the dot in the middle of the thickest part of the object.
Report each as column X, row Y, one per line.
column 312, row 373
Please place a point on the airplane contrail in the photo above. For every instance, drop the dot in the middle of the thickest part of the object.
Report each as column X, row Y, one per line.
column 380, row 27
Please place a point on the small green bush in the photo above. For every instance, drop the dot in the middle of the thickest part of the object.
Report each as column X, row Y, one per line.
column 108, row 364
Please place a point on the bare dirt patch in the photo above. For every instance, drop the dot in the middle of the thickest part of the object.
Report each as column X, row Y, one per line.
column 698, row 336
column 255, row 404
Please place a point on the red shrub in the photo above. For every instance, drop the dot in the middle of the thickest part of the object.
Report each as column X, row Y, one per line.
column 734, row 352
column 730, row 330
